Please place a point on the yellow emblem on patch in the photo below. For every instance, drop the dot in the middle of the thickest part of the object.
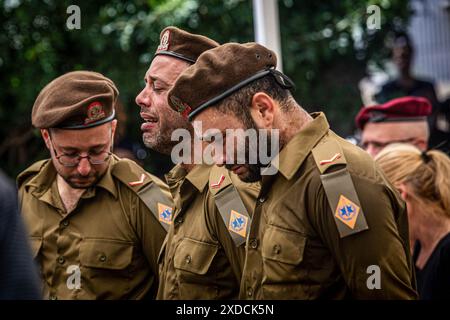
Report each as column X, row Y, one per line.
column 165, row 213
column 238, row 223
column 347, row 211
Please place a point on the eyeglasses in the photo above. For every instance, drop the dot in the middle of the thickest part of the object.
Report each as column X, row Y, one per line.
column 72, row 160
column 381, row 145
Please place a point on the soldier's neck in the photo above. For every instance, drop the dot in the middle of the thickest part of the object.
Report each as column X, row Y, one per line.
column 292, row 123
column 195, row 150
column 69, row 196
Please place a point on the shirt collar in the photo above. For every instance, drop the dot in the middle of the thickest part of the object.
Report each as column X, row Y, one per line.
column 177, row 174
column 198, row 176
column 44, row 179
column 107, row 181
column 297, row 149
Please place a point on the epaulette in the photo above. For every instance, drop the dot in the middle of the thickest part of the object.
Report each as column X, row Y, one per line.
column 339, row 188
column 148, row 188
column 30, row 172
column 230, row 205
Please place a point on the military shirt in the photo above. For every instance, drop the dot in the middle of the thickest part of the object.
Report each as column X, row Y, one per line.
column 199, row 259
column 106, row 248
column 295, row 250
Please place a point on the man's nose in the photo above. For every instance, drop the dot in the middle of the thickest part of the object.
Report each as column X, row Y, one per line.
column 372, row 150
column 84, row 167
column 142, row 99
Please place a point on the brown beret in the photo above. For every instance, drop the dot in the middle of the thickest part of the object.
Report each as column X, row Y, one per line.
column 399, row 109
column 183, row 45
column 75, row 100
column 220, row 72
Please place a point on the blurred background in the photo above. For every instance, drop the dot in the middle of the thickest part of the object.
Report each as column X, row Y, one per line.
column 336, row 61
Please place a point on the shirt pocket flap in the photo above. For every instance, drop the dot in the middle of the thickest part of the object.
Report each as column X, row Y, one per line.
column 105, row 253
column 35, row 245
column 194, row 256
column 283, row 245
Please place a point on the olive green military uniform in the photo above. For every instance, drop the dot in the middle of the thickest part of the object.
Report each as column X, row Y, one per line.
column 111, row 238
column 204, row 251
column 322, row 221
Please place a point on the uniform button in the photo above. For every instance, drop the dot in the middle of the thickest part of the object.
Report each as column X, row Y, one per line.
column 250, row 292
column 188, row 259
column 53, row 297
column 261, row 200
column 65, row 223
column 61, row 260
column 253, row 243
column 276, row 249
column 179, row 220
column 102, row 258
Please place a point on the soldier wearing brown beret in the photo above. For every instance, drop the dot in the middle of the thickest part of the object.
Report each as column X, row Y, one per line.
column 93, row 219
column 201, row 258
column 326, row 225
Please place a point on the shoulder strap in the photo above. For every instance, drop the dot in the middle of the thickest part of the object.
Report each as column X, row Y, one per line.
column 230, row 205
column 148, row 188
column 30, row 171
column 158, row 203
column 339, row 188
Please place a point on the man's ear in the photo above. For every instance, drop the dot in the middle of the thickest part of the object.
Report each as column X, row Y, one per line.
column 263, row 109
column 421, row 144
column 113, row 127
column 113, row 132
column 46, row 136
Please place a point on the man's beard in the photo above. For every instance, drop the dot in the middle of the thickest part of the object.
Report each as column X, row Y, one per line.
column 253, row 174
column 92, row 178
column 162, row 141
column 254, row 169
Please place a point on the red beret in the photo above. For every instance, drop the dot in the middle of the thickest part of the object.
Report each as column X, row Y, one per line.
column 400, row 109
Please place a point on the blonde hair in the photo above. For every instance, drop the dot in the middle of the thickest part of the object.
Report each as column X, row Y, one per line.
column 427, row 173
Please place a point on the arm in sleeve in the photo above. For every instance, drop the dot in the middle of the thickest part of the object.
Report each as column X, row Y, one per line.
column 151, row 235
column 361, row 254
column 218, row 229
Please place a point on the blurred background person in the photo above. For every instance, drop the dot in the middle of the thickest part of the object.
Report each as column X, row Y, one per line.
column 401, row 120
column 423, row 180
column 18, row 273
column 407, row 84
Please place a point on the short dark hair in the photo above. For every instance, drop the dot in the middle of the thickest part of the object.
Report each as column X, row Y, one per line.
column 238, row 103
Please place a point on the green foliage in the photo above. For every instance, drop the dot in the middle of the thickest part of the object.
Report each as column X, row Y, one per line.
column 326, row 46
